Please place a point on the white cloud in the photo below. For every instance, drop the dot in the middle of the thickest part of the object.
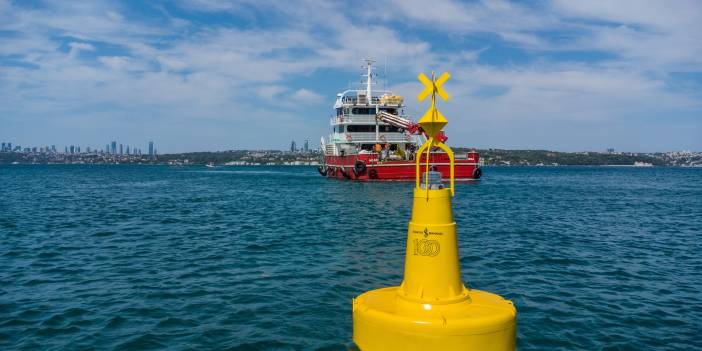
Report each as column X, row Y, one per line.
column 116, row 63
column 270, row 92
column 511, row 21
column 307, row 96
column 655, row 35
column 171, row 63
column 208, row 5
column 81, row 46
column 76, row 47
column 178, row 71
column 544, row 106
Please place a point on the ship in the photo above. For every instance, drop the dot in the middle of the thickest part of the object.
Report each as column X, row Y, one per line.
column 372, row 139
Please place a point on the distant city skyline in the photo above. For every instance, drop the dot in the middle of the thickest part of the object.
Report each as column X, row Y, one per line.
column 293, row 146
column 219, row 75
column 110, row 148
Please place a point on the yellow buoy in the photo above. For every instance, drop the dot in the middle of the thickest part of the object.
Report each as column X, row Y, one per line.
column 432, row 309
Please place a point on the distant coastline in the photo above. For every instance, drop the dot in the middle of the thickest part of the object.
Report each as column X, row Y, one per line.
column 489, row 157
column 503, row 157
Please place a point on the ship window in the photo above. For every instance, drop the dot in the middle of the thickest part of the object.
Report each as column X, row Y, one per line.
column 389, row 110
column 363, row 111
column 389, row 129
column 338, row 111
column 353, row 128
column 339, row 129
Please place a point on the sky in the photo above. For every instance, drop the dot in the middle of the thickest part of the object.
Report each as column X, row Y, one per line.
column 218, row 75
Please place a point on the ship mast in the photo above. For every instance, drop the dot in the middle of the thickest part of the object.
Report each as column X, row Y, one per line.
column 369, row 96
column 369, row 76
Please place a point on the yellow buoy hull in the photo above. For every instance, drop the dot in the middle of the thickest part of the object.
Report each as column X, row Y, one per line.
column 432, row 309
column 384, row 321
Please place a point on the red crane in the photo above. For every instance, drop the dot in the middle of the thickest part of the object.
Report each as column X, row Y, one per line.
column 406, row 124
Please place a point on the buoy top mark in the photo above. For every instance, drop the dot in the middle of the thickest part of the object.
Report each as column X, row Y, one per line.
column 433, row 121
column 433, row 86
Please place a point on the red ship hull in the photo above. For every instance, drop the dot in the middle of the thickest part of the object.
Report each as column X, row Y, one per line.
column 372, row 169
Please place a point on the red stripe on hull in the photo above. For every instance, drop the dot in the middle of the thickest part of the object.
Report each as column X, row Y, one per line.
column 342, row 167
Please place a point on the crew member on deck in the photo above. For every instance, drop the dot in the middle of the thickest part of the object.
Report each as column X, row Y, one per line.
column 377, row 148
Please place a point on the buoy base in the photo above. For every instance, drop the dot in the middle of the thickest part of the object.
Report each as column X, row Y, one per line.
column 383, row 320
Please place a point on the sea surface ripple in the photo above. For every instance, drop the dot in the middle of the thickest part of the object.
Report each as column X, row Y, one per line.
column 268, row 258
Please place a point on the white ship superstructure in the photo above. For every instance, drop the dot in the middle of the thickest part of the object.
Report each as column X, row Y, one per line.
column 356, row 129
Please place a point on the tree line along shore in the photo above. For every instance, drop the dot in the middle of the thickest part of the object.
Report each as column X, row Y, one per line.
column 547, row 158
column 496, row 157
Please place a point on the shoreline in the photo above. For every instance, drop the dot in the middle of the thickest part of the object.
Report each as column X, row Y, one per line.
column 318, row 164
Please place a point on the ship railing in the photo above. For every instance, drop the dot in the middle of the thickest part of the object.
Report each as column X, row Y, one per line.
column 382, row 137
column 365, row 119
column 354, row 100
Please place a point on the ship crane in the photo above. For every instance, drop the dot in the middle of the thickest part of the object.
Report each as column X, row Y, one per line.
column 406, row 124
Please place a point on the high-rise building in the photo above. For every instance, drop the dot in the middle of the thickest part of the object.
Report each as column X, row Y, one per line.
column 120, row 149
column 65, row 149
column 9, row 146
column 87, row 149
column 77, row 149
column 127, row 150
column 73, row 149
column 151, row 149
column 293, row 147
column 307, row 145
column 53, row 148
column 3, row 147
column 114, row 148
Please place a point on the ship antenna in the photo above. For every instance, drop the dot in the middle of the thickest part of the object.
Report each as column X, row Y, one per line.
column 385, row 74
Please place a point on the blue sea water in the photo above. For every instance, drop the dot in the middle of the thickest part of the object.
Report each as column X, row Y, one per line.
column 269, row 258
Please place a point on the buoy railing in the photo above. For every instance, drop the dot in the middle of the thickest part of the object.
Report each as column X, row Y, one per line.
column 427, row 147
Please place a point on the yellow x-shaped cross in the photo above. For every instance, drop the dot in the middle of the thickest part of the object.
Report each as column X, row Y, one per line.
column 433, row 86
